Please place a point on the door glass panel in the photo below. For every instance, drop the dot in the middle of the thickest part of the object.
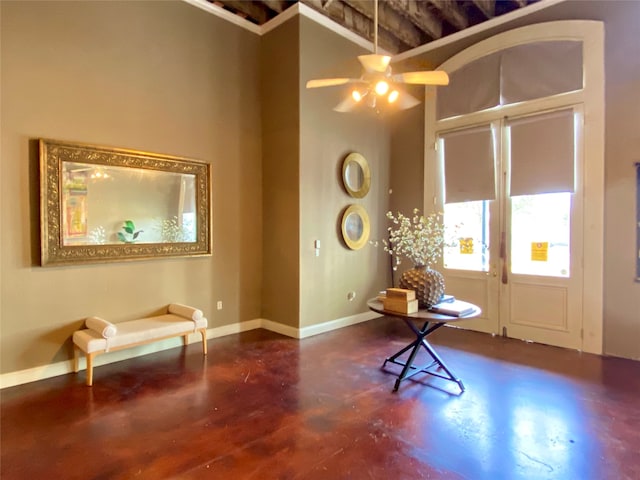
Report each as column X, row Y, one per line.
column 540, row 234
column 467, row 232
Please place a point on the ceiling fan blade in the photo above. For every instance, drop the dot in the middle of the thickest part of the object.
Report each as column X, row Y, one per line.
column 435, row 77
column 374, row 62
column 346, row 105
column 330, row 82
column 406, row 101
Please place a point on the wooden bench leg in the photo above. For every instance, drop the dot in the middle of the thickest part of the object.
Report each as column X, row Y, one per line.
column 76, row 359
column 90, row 368
column 185, row 340
column 203, row 332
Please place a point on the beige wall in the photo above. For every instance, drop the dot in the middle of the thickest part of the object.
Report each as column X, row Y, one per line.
column 622, row 146
column 326, row 137
column 281, row 192
column 156, row 76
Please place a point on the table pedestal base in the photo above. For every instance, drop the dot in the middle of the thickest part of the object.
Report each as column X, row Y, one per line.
column 409, row 369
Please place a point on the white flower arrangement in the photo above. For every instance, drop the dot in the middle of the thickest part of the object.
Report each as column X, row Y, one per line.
column 171, row 231
column 98, row 236
column 420, row 238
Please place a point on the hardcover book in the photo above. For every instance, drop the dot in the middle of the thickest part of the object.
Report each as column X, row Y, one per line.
column 456, row 308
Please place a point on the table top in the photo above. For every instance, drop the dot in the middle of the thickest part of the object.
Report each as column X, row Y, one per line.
column 422, row 314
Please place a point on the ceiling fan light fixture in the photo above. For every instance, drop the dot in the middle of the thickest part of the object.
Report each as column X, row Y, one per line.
column 393, row 96
column 356, row 95
column 381, row 87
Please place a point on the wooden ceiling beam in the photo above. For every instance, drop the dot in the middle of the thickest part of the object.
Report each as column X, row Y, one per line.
column 254, row 10
column 389, row 19
column 487, row 7
column 278, row 6
column 420, row 16
column 451, row 12
column 356, row 22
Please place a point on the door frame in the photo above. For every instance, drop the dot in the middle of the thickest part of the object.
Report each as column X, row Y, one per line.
column 591, row 34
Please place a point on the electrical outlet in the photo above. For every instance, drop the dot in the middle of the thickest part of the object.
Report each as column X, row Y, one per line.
column 219, row 305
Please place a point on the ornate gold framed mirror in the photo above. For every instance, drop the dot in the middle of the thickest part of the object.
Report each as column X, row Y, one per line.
column 355, row 227
column 100, row 204
column 356, row 175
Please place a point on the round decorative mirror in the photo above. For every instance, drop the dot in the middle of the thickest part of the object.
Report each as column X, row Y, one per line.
column 355, row 227
column 356, row 175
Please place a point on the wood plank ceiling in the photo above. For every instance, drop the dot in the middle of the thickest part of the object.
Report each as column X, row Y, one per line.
column 403, row 24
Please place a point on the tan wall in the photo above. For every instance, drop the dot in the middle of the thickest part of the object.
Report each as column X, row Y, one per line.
column 156, row 76
column 622, row 146
column 281, row 146
column 326, row 137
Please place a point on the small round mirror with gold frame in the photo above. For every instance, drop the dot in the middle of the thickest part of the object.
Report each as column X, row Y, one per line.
column 355, row 227
column 356, row 175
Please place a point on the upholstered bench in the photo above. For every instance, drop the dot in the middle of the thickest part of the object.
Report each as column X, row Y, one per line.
column 102, row 336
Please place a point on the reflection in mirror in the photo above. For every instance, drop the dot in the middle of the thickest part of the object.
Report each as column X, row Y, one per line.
column 355, row 227
column 102, row 204
column 111, row 205
column 356, row 175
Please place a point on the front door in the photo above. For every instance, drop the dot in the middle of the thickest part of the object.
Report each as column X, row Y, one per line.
column 513, row 216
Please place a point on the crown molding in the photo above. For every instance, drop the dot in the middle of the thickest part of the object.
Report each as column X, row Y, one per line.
column 296, row 9
column 225, row 15
column 480, row 27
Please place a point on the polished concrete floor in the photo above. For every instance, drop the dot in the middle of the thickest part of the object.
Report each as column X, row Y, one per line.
column 263, row 406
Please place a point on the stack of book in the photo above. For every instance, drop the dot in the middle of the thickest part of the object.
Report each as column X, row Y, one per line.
column 400, row 300
column 453, row 308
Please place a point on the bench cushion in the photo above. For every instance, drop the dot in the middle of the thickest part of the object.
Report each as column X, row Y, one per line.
column 137, row 331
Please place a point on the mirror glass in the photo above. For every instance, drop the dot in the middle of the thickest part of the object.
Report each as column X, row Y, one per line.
column 356, row 175
column 102, row 204
column 113, row 205
column 355, row 227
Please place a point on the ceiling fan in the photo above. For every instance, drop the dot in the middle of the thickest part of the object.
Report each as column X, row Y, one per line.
column 377, row 84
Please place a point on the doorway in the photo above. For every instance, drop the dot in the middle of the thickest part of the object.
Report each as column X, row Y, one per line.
column 526, row 245
column 513, row 220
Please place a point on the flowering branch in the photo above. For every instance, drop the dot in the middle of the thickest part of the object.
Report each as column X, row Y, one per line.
column 420, row 238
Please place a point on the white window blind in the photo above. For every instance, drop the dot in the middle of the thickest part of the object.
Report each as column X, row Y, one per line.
column 472, row 88
column 540, row 69
column 469, row 165
column 542, row 153
column 516, row 74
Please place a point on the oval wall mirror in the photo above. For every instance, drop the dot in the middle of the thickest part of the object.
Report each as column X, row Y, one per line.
column 356, row 175
column 355, row 227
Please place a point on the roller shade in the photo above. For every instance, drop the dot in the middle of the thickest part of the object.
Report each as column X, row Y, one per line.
column 542, row 153
column 540, row 69
column 469, row 165
column 515, row 74
column 472, row 88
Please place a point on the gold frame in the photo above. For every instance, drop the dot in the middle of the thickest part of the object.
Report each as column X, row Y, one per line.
column 52, row 249
column 358, row 159
column 366, row 227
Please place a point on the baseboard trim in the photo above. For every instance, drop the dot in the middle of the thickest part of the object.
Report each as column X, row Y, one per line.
column 43, row 372
column 336, row 324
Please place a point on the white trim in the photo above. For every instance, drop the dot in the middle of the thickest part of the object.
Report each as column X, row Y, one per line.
column 591, row 33
column 225, row 15
column 479, row 28
column 296, row 9
column 337, row 324
column 64, row 367
column 337, row 28
column 593, row 207
column 286, row 330
column 281, row 18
